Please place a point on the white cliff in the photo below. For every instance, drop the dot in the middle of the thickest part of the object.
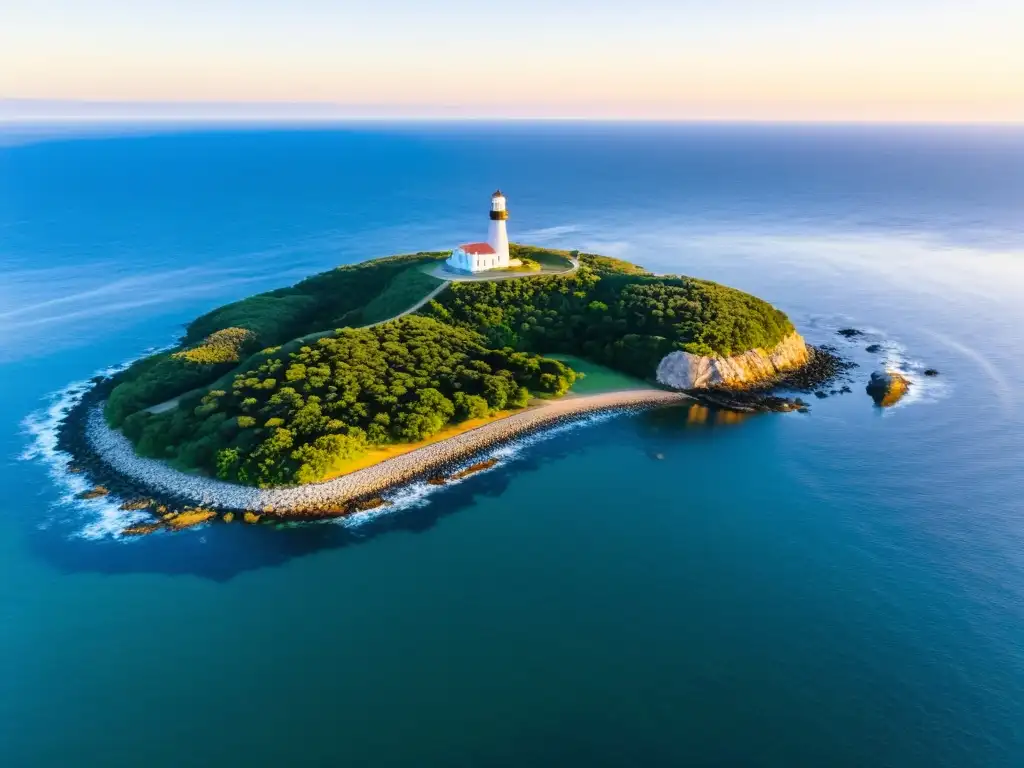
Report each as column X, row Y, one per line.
column 682, row 370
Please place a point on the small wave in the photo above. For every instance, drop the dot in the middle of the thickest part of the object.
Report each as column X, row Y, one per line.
column 924, row 390
column 893, row 356
column 105, row 517
column 419, row 494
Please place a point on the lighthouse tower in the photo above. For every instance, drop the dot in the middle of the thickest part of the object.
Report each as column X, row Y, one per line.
column 478, row 257
column 497, row 234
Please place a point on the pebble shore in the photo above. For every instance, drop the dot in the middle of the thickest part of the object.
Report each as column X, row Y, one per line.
column 162, row 481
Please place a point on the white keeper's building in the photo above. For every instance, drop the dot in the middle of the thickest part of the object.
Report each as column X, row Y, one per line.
column 479, row 257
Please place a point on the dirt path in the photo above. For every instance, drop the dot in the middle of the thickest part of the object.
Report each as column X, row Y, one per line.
column 418, row 305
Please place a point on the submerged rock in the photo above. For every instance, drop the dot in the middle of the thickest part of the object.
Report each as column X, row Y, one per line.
column 135, row 504
column 931, row 372
column 190, row 517
column 686, row 371
column 873, row 348
column 850, row 333
column 887, row 387
column 94, row 493
column 142, row 529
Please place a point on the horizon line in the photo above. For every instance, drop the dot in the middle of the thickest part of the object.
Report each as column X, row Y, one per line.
column 22, row 111
column 99, row 120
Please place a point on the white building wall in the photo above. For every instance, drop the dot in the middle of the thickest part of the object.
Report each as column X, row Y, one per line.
column 471, row 262
column 497, row 237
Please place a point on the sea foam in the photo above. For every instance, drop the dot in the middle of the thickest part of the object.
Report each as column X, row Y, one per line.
column 100, row 517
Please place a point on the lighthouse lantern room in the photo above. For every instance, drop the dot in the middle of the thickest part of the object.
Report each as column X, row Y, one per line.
column 479, row 257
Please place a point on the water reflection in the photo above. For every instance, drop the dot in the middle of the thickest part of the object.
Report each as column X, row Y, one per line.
column 681, row 417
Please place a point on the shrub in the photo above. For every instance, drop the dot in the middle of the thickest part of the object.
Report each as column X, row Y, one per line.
column 224, row 346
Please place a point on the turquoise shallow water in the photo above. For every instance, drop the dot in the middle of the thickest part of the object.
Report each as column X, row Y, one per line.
column 840, row 588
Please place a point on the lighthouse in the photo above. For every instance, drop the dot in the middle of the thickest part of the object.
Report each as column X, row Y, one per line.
column 497, row 233
column 493, row 254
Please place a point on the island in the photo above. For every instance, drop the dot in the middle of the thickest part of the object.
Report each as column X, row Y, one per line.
column 311, row 401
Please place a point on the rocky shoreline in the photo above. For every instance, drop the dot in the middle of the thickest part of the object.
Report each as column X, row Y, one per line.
column 172, row 497
column 824, row 367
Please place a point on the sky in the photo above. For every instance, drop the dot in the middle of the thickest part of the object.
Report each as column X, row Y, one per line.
column 818, row 60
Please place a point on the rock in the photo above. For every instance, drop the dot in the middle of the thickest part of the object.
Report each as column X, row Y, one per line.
column 94, row 493
column 887, row 387
column 190, row 517
column 135, row 504
column 371, row 503
column 473, row 468
column 931, row 372
column 141, row 529
column 850, row 333
column 873, row 348
column 686, row 371
column 821, row 394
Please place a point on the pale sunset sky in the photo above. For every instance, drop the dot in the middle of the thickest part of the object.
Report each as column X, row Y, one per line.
column 894, row 60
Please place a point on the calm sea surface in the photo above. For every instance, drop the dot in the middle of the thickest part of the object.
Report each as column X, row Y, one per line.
column 843, row 588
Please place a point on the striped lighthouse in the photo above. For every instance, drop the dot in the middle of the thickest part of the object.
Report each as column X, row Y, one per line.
column 497, row 234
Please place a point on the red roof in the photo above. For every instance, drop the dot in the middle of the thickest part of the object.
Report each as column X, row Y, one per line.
column 477, row 249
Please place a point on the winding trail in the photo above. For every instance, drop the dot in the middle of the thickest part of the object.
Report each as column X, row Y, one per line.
column 115, row 450
column 440, row 272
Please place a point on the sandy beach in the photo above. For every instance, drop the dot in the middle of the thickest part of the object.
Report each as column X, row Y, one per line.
column 160, row 479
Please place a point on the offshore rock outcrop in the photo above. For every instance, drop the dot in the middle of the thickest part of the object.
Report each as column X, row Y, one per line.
column 686, row 371
column 887, row 387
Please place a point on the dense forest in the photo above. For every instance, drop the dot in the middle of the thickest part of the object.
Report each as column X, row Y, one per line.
column 614, row 313
column 288, row 421
column 280, row 387
column 340, row 297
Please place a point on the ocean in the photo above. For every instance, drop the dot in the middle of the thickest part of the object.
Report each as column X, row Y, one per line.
column 841, row 588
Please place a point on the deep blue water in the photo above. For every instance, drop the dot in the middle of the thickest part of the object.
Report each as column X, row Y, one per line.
column 842, row 588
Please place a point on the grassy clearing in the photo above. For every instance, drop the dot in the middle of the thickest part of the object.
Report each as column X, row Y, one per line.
column 404, row 291
column 598, row 379
column 548, row 258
